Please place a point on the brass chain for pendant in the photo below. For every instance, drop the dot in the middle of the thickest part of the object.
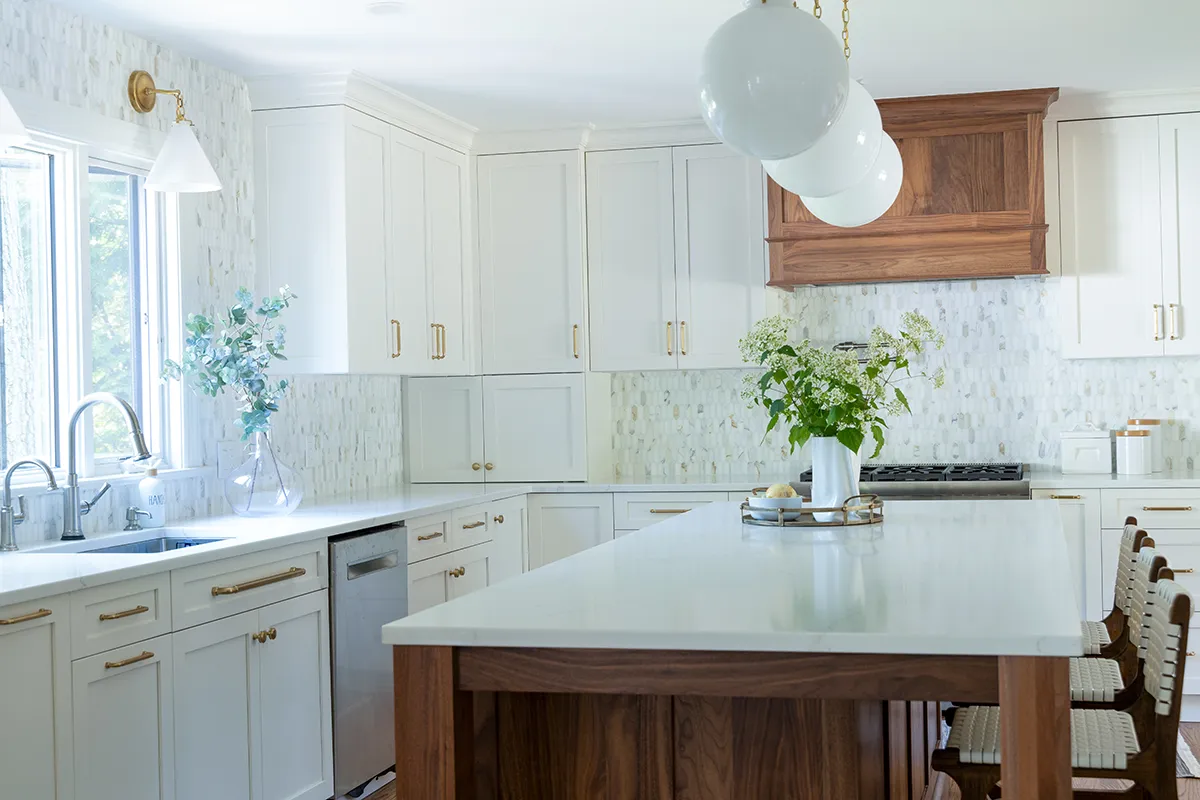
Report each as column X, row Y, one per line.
column 817, row 10
column 845, row 28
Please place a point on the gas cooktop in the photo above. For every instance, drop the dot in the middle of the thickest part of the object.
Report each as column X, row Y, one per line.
column 889, row 473
column 938, row 481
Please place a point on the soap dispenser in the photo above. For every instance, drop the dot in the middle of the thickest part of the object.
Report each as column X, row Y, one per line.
column 152, row 498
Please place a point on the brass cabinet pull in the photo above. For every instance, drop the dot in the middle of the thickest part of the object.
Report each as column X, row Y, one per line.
column 41, row 612
column 683, row 338
column 122, row 614
column 1166, row 508
column 286, row 575
column 1187, row 571
column 442, row 328
column 477, row 524
column 396, row 325
column 458, row 573
column 498, row 519
column 1157, row 322
column 427, row 537
column 1066, row 497
column 575, row 340
column 489, row 466
column 1173, row 308
column 145, row 656
column 477, row 466
column 437, row 341
column 670, row 340
column 669, row 510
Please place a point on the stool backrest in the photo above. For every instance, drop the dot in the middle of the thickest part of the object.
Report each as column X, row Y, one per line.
column 1127, row 558
column 1143, row 579
column 1164, row 645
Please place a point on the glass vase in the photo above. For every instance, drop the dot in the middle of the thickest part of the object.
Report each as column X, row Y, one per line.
column 834, row 475
column 262, row 485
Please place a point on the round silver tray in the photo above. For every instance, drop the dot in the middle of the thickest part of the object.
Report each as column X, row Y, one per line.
column 861, row 509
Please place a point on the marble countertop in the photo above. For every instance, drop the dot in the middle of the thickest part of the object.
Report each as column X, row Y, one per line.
column 38, row 572
column 938, row 577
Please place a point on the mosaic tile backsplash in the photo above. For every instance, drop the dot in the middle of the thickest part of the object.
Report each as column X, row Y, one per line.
column 343, row 432
column 1007, row 396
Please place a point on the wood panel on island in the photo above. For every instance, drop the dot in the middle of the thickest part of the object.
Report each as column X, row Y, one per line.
column 972, row 203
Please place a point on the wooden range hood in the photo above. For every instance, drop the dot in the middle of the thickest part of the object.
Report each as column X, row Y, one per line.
column 972, row 203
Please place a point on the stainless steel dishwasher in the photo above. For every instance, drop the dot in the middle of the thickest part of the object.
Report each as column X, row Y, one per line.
column 369, row 588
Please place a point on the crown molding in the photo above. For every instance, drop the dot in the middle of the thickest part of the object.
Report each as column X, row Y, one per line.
column 587, row 137
column 490, row 143
column 1124, row 104
column 363, row 94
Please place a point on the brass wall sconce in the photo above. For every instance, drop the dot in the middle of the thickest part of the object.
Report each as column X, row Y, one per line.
column 181, row 165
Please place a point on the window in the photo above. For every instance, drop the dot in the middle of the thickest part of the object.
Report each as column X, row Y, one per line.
column 82, row 257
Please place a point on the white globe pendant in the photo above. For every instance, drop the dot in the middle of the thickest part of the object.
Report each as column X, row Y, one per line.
column 866, row 200
column 840, row 158
column 773, row 79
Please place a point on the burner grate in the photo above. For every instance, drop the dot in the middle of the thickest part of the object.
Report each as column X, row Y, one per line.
column 928, row 473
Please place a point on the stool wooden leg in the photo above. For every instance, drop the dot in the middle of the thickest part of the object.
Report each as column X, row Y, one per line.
column 1035, row 728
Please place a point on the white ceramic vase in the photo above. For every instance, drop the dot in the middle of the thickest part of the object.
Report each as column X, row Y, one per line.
column 834, row 474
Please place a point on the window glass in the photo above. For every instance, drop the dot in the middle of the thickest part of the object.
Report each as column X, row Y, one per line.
column 115, row 223
column 28, row 419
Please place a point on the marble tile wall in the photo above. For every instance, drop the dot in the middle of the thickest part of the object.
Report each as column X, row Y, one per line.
column 1008, row 391
column 343, row 432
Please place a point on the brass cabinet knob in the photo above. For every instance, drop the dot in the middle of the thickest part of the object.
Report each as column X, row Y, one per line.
column 476, row 466
column 498, row 519
column 489, row 466
column 458, row 573
column 272, row 633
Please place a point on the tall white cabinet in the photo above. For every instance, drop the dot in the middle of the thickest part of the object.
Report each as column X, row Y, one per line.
column 1130, row 259
column 676, row 257
column 369, row 225
column 531, row 262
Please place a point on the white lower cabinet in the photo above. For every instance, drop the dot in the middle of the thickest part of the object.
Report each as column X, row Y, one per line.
column 124, row 723
column 435, row 580
column 35, row 703
column 509, row 539
column 1080, row 510
column 252, row 718
column 561, row 525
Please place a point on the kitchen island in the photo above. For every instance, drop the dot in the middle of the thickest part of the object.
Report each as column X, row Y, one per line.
column 701, row 658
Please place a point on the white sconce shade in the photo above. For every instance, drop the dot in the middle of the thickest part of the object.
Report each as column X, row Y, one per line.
column 773, row 79
column 12, row 131
column 181, row 165
column 868, row 199
column 840, row 158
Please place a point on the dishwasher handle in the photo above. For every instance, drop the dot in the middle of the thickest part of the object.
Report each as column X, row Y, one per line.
column 374, row 564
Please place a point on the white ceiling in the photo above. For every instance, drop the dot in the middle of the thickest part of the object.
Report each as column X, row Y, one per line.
column 523, row 64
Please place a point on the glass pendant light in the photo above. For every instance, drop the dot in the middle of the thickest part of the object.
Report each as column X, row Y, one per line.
column 12, row 130
column 772, row 80
column 868, row 199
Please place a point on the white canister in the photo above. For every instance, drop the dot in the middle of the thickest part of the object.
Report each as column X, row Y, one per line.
column 1135, row 453
column 1157, row 463
column 1086, row 449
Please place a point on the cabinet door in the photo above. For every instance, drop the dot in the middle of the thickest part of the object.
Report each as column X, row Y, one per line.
column 508, row 539
column 472, row 573
column 534, row 428
column 531, row 262
column 427, row 584
column 216, row 711
column 720, row 254
column 1179, row 154
column 408, row 269
column 444, row 430
column 124, row 722
column 631, row 260
column 35, row 705
column 449, row 284
column 1080, row 511
column 561, row 525
column 1111, row 239
column 368, row 158
column 295, row 735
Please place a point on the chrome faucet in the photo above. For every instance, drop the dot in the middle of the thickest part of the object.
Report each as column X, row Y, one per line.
column 74, row 509
column 10, row 518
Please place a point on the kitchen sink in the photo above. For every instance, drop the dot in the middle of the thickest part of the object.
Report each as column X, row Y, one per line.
column 139, row 542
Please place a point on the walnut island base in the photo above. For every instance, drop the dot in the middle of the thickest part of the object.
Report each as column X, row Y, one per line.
column 698, row 659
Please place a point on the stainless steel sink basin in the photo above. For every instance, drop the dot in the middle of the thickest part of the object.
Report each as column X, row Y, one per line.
column 159, row 544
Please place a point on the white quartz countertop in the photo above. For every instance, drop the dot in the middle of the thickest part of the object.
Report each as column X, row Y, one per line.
column 961, row 577
column 1054, row 479
column 30, row 574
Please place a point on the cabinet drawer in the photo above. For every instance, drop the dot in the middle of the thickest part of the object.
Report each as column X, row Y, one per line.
column 1153, row 508
column 230, row 586
column 470, row 526
column 118, row 614
column 635, row 510
column 427, row 537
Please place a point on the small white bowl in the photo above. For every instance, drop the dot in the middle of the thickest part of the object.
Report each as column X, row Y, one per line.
column 766, row 509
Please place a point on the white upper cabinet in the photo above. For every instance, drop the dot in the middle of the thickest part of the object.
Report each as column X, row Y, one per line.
column 1179, row 156
column 631, row 260
column 1130, row 261
column 531, row 262
column 720, row 255
column 534, row 428
column 368, row 225
column 443, row 430
column 676, row 257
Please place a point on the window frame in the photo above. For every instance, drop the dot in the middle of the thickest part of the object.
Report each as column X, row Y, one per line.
column 78, row 140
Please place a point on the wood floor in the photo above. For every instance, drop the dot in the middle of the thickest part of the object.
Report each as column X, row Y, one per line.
column 1189, row 789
